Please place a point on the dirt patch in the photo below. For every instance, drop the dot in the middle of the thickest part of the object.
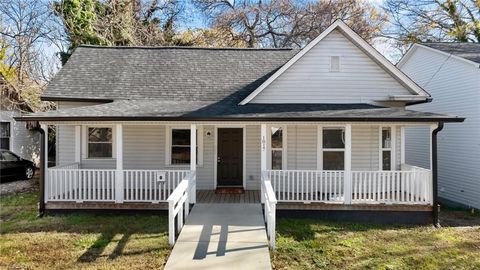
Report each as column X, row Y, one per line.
column 459, row 218
column 19, row 186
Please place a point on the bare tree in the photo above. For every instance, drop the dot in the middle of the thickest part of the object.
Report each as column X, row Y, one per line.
column 24, row 36
column 285, row 23
column 433, row 20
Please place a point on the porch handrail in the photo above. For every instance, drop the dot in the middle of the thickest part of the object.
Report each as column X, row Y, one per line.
column 179, row 202
column 74, row 165
column 270, row 202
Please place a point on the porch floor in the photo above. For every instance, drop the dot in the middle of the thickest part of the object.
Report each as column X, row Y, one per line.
column 209, row 196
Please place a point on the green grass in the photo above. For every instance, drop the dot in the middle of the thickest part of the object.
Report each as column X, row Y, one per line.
column 140, row 242
column 78, row 241
column 310, row 244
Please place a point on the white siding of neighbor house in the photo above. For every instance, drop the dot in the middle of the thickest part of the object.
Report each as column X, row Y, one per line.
column 455, row 87
column 23, row 142
column 309, row 80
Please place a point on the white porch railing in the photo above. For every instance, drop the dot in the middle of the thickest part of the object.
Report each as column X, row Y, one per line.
column 411, row 185
column 70, row 183
column 268, row 197
column 178, row 205
column 307, row 185
column 150, row 185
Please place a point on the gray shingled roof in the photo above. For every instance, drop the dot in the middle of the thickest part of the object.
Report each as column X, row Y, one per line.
column 185, row 83
column 469, row 51
column 166, row 73
column 204, row 110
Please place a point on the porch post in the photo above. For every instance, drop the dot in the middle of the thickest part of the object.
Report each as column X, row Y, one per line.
column 402, row 145
column 193, row 162
column 119, row 157
column 348, row 164
column 78, row 132
column 263, row 155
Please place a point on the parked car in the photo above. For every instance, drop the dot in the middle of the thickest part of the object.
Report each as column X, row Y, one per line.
column 14, row 167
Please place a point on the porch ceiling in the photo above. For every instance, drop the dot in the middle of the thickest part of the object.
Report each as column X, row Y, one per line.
column 150, row 109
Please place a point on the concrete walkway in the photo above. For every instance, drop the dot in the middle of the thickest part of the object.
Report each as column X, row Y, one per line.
column 222, row 236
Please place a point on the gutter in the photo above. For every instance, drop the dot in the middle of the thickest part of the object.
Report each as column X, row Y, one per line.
column 43, row 165
column 436, row 222
column 240, row 119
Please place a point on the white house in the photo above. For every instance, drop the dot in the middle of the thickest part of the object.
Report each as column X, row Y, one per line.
column 450, row 72
column 318, row 131
column 17, row 137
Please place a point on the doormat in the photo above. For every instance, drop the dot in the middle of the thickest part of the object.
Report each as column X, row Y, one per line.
column 229, row 191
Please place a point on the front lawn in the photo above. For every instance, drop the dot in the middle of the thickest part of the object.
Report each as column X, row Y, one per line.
column 309, row 244
column 78, row 241
column 140, row 242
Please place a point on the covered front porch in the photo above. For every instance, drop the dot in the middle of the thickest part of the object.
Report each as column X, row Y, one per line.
column 284, row 166
column 305, row 163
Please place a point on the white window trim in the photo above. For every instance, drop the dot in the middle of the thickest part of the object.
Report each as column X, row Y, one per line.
column 321, row 150
column 391, row 148
column 85, row 142
column 168, row 145
column 283, row 149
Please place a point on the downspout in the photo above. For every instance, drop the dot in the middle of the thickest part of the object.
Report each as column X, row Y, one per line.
column 41, row 203
column 436, row 222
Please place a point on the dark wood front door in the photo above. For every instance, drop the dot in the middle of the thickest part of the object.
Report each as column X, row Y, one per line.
column 230, row 157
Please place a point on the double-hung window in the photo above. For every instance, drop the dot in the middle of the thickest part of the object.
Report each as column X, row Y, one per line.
column 178, row 145
column 333, row 148
column 5, row 135
column 100, row 142
column 386, row 148
column 277, row 147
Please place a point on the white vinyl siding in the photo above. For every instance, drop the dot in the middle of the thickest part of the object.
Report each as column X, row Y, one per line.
column 365, row 143
column 302, row 147
column 24, row 142
column 253, row 157
column 144, row 148
column 65, row 138
column 455, row 87
column 309, row 80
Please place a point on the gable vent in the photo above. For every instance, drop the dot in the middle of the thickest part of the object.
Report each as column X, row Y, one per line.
column 334, row 63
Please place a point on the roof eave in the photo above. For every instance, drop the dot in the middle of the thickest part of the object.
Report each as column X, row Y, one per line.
column 245, row 119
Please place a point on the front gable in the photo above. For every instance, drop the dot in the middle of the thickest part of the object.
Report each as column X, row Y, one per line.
column 363, row 75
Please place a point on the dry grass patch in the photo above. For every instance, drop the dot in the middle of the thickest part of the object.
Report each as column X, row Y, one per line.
column 78, row 241
column 310, row 244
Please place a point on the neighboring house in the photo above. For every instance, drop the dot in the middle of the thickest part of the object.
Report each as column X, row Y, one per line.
column 450, row 72
column 320, row 128
column 18, row 137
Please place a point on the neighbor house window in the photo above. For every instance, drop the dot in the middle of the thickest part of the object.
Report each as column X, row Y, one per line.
column 334, row 63
column 277, row 147
column 386, row 148
column 333, row 146
column 5, row 135
column 100, row 142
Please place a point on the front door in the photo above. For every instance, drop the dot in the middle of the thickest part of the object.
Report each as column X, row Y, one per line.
column 230, row 157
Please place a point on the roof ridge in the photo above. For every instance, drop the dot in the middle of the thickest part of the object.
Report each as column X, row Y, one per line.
column 183, row 48
column 449, row 42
